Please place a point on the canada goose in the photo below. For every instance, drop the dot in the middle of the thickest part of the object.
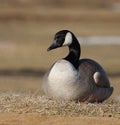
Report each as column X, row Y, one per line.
column 73, row 79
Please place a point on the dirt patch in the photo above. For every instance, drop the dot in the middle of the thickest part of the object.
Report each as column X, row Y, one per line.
column 36, row 118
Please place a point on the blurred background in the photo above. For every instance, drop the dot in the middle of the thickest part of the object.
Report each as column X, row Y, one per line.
column 27, row 28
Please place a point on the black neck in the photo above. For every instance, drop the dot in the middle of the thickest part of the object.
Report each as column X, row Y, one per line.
column 74, row 52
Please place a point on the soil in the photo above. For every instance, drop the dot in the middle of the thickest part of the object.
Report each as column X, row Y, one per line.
column 36, row 118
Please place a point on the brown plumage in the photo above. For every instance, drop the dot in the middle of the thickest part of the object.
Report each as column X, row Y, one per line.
column 98, row 83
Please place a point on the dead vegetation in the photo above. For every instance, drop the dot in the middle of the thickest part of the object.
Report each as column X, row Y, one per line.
column 35, row 103
column 27, row 28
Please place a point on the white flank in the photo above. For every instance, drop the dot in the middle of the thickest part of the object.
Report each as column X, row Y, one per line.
column 96, row 77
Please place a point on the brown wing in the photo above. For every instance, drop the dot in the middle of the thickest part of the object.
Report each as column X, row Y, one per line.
column 93, row 72
column 99, row 85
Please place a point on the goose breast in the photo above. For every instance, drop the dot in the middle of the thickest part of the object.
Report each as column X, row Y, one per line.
column 62, row 80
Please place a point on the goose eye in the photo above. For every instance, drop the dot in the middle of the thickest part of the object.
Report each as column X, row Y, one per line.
column 60, row 41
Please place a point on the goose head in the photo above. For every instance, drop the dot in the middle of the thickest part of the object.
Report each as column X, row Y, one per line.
column 67, row 38
column 62, row 38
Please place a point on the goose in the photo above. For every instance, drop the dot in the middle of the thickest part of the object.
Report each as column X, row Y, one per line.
column 71, row 78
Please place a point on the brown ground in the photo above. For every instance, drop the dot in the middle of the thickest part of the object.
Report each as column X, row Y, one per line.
column 23, row 58
column 35, row 118
column 31, row 109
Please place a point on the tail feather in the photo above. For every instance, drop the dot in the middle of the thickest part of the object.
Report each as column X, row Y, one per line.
column 100, row 94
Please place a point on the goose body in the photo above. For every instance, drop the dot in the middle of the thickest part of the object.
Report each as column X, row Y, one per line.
column 72, row 78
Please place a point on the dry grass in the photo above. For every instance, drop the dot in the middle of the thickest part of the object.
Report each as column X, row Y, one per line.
column 24, row 95
column 26, row 32
column 35, row 103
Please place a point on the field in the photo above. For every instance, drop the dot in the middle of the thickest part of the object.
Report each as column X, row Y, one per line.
column 26, row 31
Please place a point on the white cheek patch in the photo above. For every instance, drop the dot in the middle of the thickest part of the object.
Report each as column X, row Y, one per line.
column 68, row 39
